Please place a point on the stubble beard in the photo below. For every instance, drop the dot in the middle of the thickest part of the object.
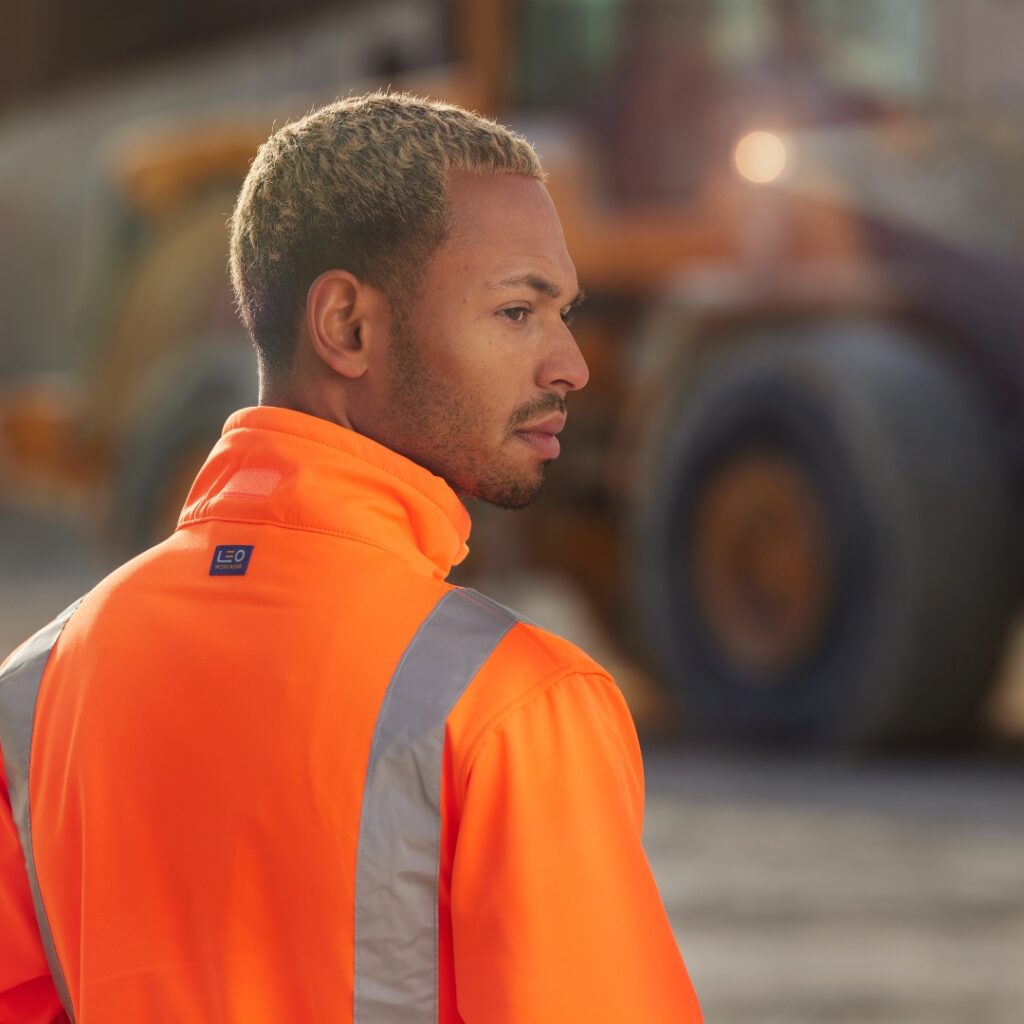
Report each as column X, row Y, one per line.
column 436, row 428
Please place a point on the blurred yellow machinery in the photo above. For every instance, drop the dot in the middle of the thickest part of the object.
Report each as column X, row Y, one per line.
column 793, row 482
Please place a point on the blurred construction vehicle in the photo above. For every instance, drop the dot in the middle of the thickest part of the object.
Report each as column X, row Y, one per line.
column 794, row 481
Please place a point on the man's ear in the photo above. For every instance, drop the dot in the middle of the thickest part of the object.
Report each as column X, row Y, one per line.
column 343, row 319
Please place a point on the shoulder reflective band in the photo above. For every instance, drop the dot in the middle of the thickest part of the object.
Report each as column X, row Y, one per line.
column 400, row 826
column 19, row 687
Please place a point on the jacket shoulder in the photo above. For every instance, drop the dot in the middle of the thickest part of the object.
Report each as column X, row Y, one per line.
column 527, row 661
column 545, row 652
column 527, row 649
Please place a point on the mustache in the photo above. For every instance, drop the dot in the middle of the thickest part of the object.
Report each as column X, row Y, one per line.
column 539, row 406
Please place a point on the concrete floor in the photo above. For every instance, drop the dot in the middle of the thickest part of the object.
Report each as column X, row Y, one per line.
column 801, row 891
column 811, row 892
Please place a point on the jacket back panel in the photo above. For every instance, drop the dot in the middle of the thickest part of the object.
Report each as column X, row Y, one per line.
column 201, row 748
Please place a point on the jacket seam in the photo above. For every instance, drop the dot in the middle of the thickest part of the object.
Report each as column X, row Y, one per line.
column 495, row 727
column 546, row 683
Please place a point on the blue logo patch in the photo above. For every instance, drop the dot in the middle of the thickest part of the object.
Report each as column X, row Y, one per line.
column 230, row 559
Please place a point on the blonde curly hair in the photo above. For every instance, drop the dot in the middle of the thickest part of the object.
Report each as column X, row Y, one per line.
column 357, row 185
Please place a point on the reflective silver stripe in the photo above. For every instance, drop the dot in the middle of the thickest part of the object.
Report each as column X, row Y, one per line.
column 400, row 825
column 19, row 687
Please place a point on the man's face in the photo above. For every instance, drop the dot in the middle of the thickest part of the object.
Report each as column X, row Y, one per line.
column 482, row 359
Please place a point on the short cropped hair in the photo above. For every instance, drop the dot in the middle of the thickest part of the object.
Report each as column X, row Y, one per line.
column 358, row 185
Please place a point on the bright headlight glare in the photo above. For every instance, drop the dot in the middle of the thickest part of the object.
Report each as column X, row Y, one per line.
column 760, row 157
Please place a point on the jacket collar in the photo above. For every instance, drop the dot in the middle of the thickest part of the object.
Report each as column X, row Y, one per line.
column 274, row 465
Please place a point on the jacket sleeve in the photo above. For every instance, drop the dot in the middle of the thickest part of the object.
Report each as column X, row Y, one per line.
column 27, row 993
column 555, row 912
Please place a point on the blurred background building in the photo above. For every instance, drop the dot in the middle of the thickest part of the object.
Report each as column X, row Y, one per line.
column 788, row 510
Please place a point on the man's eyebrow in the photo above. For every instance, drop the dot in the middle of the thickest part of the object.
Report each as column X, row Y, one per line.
column 542, row 285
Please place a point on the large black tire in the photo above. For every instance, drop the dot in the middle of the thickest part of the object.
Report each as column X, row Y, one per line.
column 913, row 494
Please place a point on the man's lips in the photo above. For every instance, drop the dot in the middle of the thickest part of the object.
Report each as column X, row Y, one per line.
column 541, row 435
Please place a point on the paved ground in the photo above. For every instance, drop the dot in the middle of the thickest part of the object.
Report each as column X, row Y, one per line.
column 819, row 893
column 802, row 891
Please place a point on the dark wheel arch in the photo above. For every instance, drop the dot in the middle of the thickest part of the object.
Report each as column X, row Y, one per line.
column 188, row 402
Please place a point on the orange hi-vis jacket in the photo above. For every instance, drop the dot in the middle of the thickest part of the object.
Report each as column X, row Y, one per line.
column 275, row 769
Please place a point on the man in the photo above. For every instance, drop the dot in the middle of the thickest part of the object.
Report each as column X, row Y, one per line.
column 280, row 770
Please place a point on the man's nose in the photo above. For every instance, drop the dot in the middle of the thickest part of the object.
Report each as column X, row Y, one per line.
column 565, row 369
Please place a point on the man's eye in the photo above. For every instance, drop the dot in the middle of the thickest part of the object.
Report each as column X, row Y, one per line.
column 517, row 314
column 567, row 316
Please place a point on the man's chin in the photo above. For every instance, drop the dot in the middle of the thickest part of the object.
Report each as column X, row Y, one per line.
column 512, row 492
